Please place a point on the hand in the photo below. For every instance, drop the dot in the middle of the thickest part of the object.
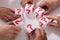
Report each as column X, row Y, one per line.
column 49, row 5
column 57, row 18
column 39, row 35
column 24, row 2
column 8, row 32
column 7, row 14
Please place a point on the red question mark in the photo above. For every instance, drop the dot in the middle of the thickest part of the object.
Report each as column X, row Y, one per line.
column 42, row 14
column 28, row 11
column 17, row 21
column 19, row 10
column 30, row 26
column 43, row 18
column 37, row 14
column 41, row 24
column 40, row 9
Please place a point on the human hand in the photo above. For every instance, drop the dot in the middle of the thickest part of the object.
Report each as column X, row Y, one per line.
column 24, row 2
column 49, row 5
column 7, row 14
column 9, row 32
column 57, row 25
column 39, row 35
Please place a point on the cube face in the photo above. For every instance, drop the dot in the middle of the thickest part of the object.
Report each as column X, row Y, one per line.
column 31, row 25
column 29, row 8
column 18, row 21
column 39, row 12
column 43, row 21
column 19, row 12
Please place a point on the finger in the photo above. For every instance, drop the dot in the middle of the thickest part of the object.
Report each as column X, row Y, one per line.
column 5, row 19
column 16, row 28
column 52, row 17
column 10, row 23
column 43, row 33
column 23, row 2
column 13, row 31
column 30, row 2
column 12, row 36
column 30, row 36
column 12, row 15
column 11, row 10
column 54, row 25
column 34, row 2
column 47, row 11
column 44, row 5
column 38, row 33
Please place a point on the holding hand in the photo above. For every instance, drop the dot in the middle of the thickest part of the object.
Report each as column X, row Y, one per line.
column 49, row 4
column 8, row 32
column 57, row 18
column 7, row 14
column 39, row 35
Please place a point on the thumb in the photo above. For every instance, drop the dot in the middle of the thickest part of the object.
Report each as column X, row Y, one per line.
column 38, row 33
column 30, row 36
column 47, row 11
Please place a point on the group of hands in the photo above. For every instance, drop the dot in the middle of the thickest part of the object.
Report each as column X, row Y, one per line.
column 9, row 32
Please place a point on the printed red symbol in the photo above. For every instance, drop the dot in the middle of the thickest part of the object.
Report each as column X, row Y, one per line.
column 42, row 14
column 40, row 9
column 33, row 9
column 17, row 21
column 18, row 15
column 30, row 26
column 28, row 11
column 19, row 10
column 43, row 18
column 41, row 24
column 37, row 14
